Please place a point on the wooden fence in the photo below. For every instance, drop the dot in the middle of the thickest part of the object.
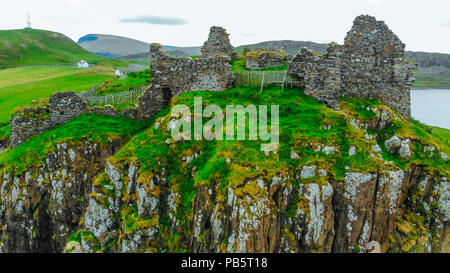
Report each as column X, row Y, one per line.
column 113, row 99
column 243, row 78
column 264, row 78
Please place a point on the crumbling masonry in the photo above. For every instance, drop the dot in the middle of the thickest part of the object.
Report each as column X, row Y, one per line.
column 218, row 43
column 179, row 75
column 370, row 64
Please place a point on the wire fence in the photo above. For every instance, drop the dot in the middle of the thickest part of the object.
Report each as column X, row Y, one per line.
column 264, row 78
column 243, row 78
column 113, row 99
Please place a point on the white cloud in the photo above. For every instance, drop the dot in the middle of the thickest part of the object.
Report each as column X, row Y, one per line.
column 62, row 19
column 155, row 20
column 444, row 24
column 375, row 3
column 73, row 3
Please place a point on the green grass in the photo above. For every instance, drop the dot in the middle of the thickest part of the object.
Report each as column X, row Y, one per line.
column 301, row 125
column 302, row 122
column 5, row 131
column 22, row 85
column 133, row 80
column 441, row 133
column 431, row 81
column 32, row 46
column 239, row 65
column 91, row 127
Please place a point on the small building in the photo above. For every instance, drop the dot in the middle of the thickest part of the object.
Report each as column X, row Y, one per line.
column 83, row 64
column 119, row 72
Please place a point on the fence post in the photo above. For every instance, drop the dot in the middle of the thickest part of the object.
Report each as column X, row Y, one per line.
column 262, row 82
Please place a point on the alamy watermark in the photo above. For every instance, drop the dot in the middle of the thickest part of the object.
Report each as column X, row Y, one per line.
column 235, row 118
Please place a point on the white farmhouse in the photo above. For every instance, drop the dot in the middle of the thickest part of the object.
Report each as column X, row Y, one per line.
column 119, row 72
column 83, row 64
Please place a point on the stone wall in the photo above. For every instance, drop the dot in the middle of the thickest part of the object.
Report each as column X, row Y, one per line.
column 30, row 121
column 181, row 75
column 218, row 43
column 151, row 101
column 64, row 106
column 44, row 115
column 370, row 64
column 264, row 58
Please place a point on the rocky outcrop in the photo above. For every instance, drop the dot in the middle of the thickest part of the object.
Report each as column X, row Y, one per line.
column 218, row 43
column 178, row 75
column 43, row 205
column 370, row 64
column 302, row 210
column 260, row 59
column 331, row 217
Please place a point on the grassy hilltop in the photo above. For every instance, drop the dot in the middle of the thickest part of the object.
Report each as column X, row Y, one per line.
column 38, row 55
column 224, row 165
column 34, row 46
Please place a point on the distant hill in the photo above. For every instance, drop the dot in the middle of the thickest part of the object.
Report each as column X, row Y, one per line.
column 291, row 47
column 126, row 48
column 34, row 46
column 424, row 59
column 111, row 45
column 137, row 51
column 145, row 57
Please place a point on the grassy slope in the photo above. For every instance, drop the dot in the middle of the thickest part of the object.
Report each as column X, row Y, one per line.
column 132, row 80
column 91, row 127
column 301, row 124
column 431, row 81
column 5, row 131
column 33, row 46
column 19, row 86
column 301, row 120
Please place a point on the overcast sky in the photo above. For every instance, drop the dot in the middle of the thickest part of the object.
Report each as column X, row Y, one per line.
column 421, row 25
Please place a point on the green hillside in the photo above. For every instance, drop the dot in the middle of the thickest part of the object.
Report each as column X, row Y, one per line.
column 229, row 165
column 33, row 46
column 22, row 85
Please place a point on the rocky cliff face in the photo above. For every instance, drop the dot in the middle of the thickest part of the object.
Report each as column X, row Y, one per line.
column 305, row 209
column 43, row 205
column 335, row 184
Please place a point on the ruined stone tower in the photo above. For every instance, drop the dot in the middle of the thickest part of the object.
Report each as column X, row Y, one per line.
column 218, row 43
column 370, row 64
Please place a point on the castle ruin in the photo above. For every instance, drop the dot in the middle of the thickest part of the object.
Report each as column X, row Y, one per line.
column 262, row 58
column 218, row 43
column 179, row 75
column 371, row 64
